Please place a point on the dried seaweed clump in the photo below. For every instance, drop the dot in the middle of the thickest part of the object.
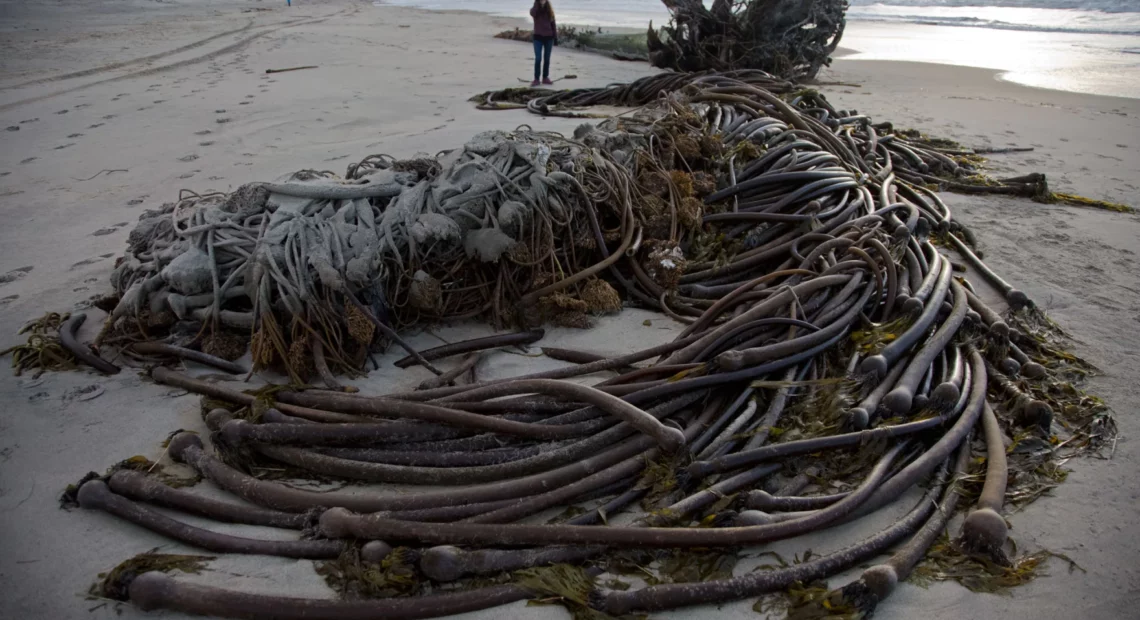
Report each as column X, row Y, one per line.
column 946, row 561
column 561, row 584
column 665, row 263
column 425, row 292
column 352, row 577
column 115, row 583
column 600, row 297
column 43, row 350
column 226, row 344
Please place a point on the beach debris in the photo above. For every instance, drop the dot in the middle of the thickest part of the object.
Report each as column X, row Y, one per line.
column 85, row 354
column 569, row 76
column 107, row 172
column 832, row 365
column 291, row 69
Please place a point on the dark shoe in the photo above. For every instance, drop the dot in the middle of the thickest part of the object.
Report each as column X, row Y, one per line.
column 534, row 83
column 547, row 82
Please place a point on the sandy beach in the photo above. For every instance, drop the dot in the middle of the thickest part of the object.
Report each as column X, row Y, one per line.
column 110, row 107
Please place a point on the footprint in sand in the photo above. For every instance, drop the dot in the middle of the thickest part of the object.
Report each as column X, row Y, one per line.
column 7, row 300
column 64, row 146
column 188, row 175
column 244, row 103
column 190, row 157
column 108, row 117
column 75, row 135
column 206, row 143
column 15, row 274
column 219, row 111
column 28, row 160
column 92, row 261
column 136, row 202
column 62, row 112
column 30, row 120
column 223, row 120
column 14, row 128
column 4, row 174
column 204, row 132
column 95, row 126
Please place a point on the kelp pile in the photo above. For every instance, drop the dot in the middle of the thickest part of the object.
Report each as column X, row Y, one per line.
column 317, row 270
column 832, row 363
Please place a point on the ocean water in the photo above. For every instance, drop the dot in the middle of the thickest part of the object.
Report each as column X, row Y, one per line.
column 1089, row 46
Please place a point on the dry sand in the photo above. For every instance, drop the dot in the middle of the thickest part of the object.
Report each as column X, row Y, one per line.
column 189, row 106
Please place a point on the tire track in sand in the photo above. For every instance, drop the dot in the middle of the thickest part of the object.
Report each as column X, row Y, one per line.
column 233, row 47
column 127, row 63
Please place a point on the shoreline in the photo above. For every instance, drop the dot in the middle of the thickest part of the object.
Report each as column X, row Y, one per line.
column 396, row 81
column 872, row 32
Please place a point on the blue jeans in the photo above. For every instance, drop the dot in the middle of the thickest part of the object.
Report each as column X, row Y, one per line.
column 542, row 48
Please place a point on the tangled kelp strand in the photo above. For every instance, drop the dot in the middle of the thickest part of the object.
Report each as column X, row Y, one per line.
column 43, row 351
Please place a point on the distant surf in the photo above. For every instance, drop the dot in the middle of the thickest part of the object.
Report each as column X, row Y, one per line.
column 1092, row 16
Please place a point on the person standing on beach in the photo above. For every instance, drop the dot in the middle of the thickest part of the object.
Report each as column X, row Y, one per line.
column 545, row 36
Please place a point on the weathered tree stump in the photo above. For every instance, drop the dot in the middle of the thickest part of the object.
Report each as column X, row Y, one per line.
column 788, row 38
